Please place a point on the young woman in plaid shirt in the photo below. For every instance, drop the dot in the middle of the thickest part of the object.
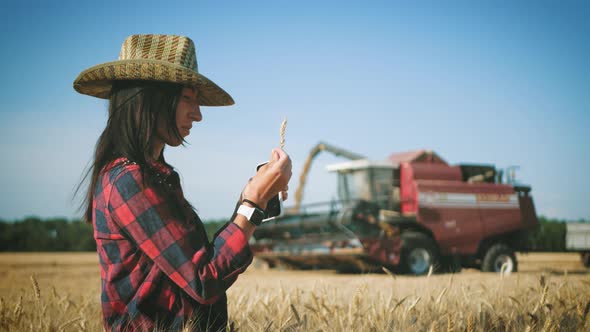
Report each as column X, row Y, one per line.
column 158, row 268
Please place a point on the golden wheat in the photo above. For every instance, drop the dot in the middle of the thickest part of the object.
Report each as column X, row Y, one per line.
column 36, row 288
column 450, row 323
column 270, row 300
column 283, row 128
column 470, row 323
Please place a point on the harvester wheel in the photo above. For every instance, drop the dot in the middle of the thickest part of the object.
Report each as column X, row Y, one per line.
column 499, row 255
column 418, row 253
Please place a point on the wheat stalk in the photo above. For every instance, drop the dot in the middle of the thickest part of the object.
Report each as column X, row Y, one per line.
column 388, row 271
column 442, row 293
column 548, row 324
column 585, row 313
column 283, row 127
column 450, row 323
column 542, row 299
column 433, row 326
column 470, row 323
column 534, row 322
column 18, row 310
column 544, row 295
column 398, row 304
column 315, row 300
column 542, row 280
column 514, row 300
column 36, row 287
column 450, row 280
column 413, row 304
column 295, row 313
column 2, row 304
column 267, row 328
column 70, row 322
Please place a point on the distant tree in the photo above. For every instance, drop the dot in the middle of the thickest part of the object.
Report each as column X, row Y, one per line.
column 550, row 236
column 59, row 234
column 34, row 234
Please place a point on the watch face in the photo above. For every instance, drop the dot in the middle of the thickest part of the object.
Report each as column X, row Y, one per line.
column 257, row 216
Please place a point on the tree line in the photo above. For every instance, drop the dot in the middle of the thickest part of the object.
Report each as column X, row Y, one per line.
column 59, row 234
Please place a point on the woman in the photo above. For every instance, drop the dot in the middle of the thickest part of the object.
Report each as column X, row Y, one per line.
column 157, row 267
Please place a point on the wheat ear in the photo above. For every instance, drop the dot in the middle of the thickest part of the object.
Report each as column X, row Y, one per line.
column 283, row 127
column 36, row 288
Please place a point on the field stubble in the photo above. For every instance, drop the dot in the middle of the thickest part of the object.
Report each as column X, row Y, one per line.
column 61, row 292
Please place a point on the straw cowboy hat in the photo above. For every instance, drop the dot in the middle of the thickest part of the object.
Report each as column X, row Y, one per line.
column 166, row 58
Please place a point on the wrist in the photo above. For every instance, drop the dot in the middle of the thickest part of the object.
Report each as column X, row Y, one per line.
column 253, row 213
column 255, row 203
column 253, row 197
column 246, row 226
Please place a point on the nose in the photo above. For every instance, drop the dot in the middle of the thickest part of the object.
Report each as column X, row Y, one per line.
column 196, row 114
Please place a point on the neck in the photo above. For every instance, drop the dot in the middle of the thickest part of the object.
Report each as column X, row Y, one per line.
column 157, row 151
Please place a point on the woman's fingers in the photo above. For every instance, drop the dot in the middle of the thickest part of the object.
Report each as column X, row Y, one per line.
column 284, row 161
column 274, row 154
column 271, row 178
column 281, row 164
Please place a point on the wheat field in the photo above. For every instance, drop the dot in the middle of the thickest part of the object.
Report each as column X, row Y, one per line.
column 61, row 292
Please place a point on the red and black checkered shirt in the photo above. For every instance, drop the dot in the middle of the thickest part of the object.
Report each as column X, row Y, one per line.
column 157, row 268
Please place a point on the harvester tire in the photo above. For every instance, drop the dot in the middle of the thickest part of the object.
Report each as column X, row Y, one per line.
column 498, row 255
column 418, row 253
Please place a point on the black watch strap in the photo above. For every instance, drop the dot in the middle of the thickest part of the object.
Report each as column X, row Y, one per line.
column 257, row 215
column 252, row 203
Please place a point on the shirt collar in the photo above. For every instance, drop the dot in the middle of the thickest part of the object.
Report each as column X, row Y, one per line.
column 160, row 166
column 156, row 164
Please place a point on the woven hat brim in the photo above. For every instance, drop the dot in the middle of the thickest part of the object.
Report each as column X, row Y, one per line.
column 96, row 81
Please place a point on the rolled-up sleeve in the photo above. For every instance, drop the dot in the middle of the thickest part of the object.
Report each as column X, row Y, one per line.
column 206, row 270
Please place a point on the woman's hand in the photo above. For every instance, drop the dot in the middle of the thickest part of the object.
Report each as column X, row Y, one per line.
column 270, row 179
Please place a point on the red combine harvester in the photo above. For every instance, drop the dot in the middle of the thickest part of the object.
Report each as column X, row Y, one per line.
column 408, row 213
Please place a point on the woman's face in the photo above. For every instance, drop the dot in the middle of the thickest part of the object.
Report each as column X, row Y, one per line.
column 187, row 111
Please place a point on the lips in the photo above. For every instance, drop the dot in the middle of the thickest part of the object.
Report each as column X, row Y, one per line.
column 185, row 131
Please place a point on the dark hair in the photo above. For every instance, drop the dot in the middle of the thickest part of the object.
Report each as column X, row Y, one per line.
column 135, row 109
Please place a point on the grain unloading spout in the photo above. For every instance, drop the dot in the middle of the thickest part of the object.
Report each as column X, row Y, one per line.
column 321, row 146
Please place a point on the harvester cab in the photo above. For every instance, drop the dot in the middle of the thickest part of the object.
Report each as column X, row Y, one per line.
column 364, row 180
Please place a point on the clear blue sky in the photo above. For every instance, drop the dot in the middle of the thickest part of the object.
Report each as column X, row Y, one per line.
column 500, row 82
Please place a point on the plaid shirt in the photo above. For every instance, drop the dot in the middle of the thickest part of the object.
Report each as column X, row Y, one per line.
column 155, row 267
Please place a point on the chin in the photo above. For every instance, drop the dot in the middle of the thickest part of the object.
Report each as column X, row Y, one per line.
column 174, row 144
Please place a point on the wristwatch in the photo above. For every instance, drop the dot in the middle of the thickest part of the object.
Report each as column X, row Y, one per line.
column 255, row 215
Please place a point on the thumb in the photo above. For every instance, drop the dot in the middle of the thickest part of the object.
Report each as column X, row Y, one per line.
column 274, row 155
